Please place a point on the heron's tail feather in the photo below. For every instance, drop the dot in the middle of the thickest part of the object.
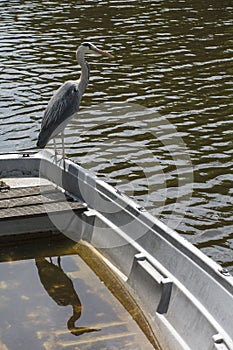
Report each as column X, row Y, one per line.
column 43, row 139
column 40, row 144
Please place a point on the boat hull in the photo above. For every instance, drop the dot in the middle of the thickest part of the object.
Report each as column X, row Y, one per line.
column 186, row 296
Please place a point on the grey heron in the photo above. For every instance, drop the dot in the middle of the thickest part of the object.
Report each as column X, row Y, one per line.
column 66, row 100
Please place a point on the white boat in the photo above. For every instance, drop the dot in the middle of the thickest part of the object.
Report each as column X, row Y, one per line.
column 186, row 297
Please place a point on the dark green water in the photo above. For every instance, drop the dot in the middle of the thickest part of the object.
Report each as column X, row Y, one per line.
column 156, row 121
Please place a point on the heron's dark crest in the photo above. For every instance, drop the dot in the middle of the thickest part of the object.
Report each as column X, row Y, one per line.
column 87, row 45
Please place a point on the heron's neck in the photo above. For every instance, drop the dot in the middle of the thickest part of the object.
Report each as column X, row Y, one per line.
column 84, row 78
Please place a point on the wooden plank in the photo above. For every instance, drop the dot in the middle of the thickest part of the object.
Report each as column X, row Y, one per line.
column 32, row 201
column 26, row 191
column 33, row 210
column 55, row 196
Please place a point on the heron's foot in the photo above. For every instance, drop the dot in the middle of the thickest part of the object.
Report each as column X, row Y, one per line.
column 56, row 157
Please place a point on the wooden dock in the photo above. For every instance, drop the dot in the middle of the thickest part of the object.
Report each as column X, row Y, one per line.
column 28, row 207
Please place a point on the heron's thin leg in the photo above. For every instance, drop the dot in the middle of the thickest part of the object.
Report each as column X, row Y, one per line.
column 63, row 148
column 55, row 149
column 63, row 145
column 59, row 262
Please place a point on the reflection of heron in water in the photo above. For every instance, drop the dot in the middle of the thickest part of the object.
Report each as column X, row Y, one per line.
column 60, row 287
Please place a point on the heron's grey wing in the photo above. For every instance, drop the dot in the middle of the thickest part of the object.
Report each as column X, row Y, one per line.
column 61, row 107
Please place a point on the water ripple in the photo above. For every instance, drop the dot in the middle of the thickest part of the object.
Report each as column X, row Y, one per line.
column 173, row 63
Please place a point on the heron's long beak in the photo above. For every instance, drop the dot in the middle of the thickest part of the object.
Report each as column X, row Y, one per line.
column 103, row 53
